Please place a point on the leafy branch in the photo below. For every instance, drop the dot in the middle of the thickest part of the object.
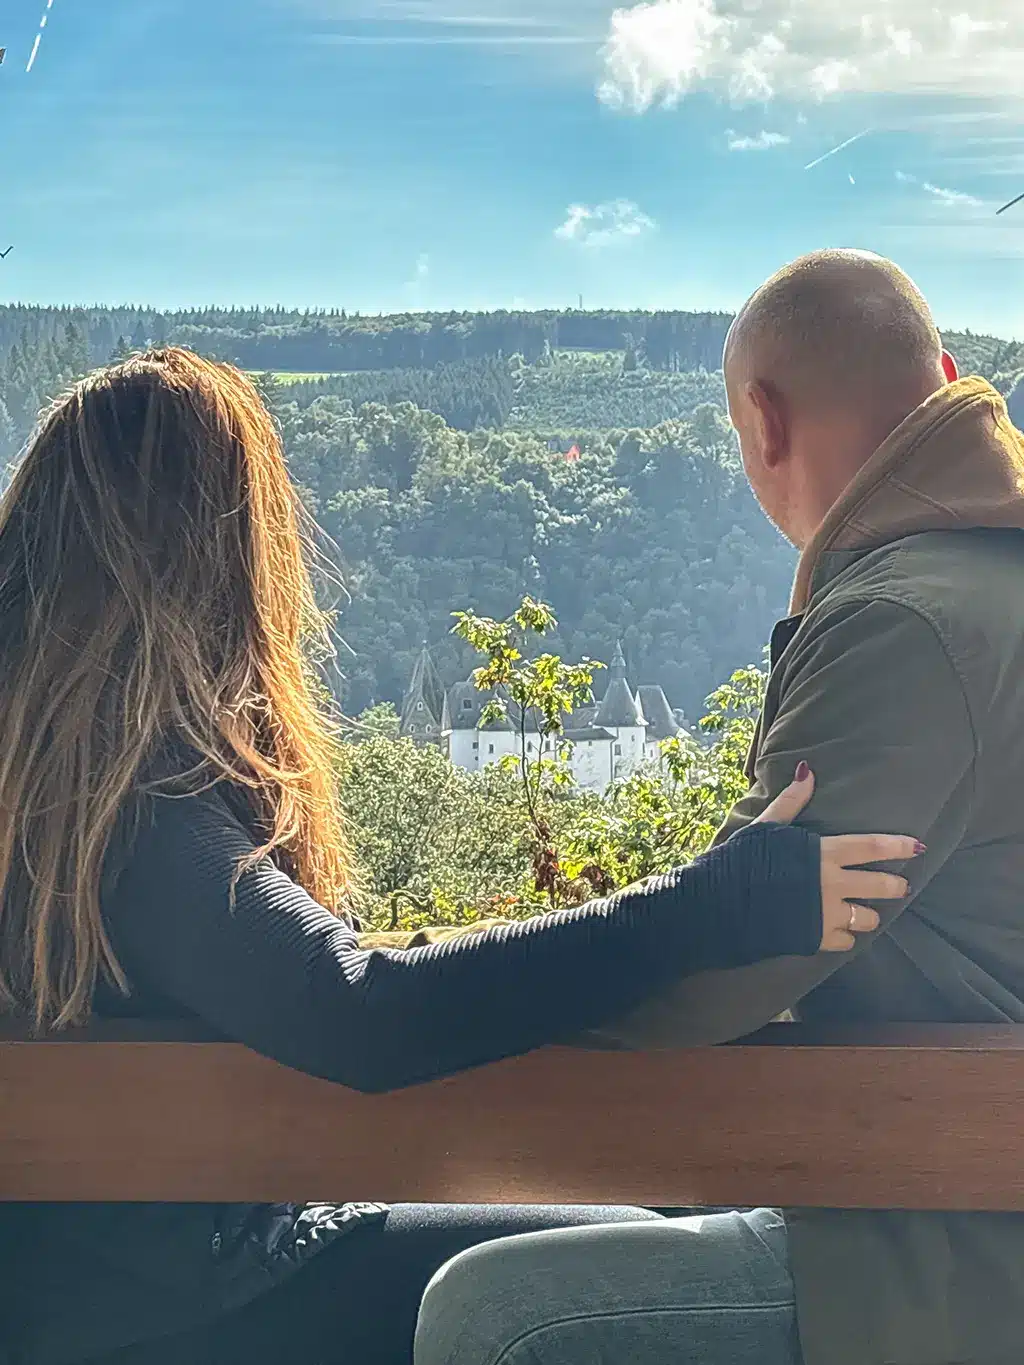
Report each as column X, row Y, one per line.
column 532, row 696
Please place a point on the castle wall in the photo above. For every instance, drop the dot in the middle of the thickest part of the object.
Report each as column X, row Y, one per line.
column 627, row 748
column 590, row 762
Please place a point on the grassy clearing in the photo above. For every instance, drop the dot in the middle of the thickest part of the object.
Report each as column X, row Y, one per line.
column 301, row 377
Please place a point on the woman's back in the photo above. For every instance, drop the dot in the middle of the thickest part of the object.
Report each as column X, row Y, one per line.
column 154, row 583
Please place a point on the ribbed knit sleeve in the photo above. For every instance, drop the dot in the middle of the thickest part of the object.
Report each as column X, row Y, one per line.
column 281, row 974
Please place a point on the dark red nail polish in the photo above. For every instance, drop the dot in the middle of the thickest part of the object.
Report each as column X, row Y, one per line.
column 803, row 772
column 919, row 847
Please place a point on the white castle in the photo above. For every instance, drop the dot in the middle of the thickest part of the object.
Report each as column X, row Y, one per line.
column 607, row 740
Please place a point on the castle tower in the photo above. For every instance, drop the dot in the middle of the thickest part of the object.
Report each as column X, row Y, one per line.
column 619, row 712
column 423, row 703
column 618, row 708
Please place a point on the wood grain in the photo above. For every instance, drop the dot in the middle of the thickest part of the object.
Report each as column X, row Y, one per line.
column 910, row 1117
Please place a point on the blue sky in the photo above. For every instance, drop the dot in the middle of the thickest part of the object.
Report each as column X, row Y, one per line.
column 390, row 154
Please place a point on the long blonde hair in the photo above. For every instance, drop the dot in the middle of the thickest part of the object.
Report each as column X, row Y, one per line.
column 154, row 581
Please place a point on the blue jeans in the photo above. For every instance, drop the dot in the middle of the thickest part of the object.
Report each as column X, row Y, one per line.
column 712, row 1290
column 355, row 1303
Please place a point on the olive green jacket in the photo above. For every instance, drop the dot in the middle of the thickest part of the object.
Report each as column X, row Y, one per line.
column 900, row 678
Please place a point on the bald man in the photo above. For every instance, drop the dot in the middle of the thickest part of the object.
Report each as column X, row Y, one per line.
column 899, row 676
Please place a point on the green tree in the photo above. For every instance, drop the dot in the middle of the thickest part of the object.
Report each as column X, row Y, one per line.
column 534, row 695
column 269, row 388
column 434, row 844
column 73, row 357
column 380, row 721
column 663, row 816
column 8, row 441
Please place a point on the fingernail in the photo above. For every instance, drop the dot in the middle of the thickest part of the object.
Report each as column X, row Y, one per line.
column 919, row 847
column 803, row 772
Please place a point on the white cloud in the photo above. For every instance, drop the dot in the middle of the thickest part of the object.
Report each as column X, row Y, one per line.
column 964, row 27
column 616, row 220
column 467, row 23
column 951, row 198
column 471, row 38
column 658, row 51
column 760, row 143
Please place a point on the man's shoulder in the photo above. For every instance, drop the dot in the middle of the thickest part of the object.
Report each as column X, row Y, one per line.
column 961, row 587
column 943, row 575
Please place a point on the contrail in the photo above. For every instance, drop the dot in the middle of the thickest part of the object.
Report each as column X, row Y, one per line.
column 848, row 143
column 39, row 36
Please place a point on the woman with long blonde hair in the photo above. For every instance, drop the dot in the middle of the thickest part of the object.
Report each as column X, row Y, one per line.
column 171, row 843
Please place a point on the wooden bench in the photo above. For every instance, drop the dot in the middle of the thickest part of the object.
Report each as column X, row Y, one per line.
column 928, row 1117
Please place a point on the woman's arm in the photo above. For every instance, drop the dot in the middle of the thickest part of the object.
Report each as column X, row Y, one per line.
column 281, row 974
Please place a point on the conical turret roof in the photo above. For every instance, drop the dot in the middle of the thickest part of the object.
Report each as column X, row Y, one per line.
column 661, row 723
column 424, row 687
column 618, row 707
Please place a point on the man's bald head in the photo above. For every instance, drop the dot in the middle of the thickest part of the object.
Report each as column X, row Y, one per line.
column 822, row 363
column 838, row 327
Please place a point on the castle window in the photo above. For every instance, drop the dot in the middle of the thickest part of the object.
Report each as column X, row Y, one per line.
column 476, row 744
column 467, row 704
column 419, row 706
column 618, row 748
column 490, row 748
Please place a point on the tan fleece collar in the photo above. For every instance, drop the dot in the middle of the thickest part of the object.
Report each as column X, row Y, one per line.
column 956, row 462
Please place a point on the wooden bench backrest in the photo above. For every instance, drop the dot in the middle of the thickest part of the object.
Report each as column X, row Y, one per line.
column 926, row 1117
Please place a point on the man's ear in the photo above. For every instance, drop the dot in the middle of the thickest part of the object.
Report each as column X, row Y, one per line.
column 949, row 368
column 769, row 414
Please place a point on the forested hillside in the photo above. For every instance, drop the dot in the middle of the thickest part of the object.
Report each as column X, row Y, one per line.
column 651, row 537
column 565, row 390
column 529, row 370
column 432, row 449
column 331, row 340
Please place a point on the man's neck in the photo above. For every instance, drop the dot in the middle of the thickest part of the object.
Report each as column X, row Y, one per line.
column 830, row 455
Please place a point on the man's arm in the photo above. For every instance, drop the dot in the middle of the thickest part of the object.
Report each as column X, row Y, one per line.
column 873, row 703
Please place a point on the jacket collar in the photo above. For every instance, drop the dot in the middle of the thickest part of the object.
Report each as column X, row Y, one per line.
column 955, row 463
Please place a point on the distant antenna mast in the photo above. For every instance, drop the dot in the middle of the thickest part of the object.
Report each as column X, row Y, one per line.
column 581, row 303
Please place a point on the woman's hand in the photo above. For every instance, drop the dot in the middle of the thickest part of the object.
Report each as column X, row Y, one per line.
column 843, row 886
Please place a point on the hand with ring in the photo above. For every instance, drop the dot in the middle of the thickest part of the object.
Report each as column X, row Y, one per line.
column 844, row 885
